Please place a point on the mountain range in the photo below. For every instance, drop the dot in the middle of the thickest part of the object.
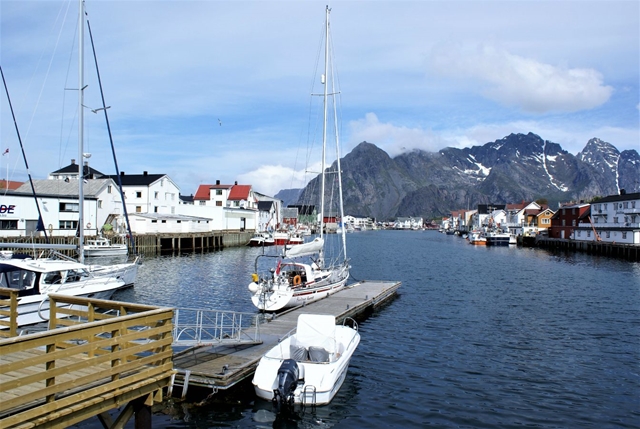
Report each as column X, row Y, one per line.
column 519, row 167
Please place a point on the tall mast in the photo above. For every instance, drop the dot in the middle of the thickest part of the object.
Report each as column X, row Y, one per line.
column 324, row 125
column 81, row 131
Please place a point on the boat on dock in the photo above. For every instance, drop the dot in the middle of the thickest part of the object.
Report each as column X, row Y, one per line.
column 477, row 238
column 309, row 366
column 318, row 268
column 497, row 238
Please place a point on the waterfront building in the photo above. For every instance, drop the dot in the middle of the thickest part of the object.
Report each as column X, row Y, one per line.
column 566, row 219
column 612, row 219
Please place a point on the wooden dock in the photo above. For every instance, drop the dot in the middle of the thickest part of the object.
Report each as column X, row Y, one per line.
column 87, row 363
column 225, row 365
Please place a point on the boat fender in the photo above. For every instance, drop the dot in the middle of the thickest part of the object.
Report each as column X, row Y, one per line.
column 254, row 277
column 253, row 287
column 297, row 280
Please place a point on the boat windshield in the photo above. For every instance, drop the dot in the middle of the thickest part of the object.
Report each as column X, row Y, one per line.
column 18, row 279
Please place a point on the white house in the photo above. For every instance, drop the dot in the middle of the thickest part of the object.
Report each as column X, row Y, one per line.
column 613, row 219
column 58, row 202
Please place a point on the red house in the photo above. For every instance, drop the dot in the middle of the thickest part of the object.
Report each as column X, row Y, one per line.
column 566, row 219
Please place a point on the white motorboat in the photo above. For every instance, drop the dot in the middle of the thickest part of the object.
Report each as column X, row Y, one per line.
column 102, row 246
column 308, row 366
column 295, row 280
column 35, row 279
column 261, row 239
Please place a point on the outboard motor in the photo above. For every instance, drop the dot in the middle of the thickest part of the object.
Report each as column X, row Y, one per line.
column 287, row 382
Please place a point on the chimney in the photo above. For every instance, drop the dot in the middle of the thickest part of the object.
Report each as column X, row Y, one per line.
column 73, row 161
column 144, row 173
column 217, row 182
column 236, row 182
column 121, row 173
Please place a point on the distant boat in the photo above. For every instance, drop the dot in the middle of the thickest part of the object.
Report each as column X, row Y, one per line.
column 261, row 239
column 477, row 238
column 497, row 238
column 309, row 366
column 102, row 246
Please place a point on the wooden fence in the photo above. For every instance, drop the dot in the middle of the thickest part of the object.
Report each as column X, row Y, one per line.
column 97, row 355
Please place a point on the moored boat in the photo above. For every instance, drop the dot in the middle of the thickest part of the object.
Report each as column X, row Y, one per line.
column 477, row 238
column 35, row 279
column 261, row 239
column 497, row 238
column 310, row 271
column 309, row 366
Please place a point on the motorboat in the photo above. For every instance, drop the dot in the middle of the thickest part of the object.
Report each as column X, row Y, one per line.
column 35, row 279
column 309, row 366
column 102, row 246
column 260, row 239
column 311, row 270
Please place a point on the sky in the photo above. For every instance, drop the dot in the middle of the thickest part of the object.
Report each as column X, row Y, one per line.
column 220, row 90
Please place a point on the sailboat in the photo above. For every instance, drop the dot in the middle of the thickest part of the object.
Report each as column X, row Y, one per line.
column 34, row 279
column 309, row 271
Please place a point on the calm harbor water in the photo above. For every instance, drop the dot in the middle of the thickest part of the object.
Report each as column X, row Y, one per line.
column 477, row 338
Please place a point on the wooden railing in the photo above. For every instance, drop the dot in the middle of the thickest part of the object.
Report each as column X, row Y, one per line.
column 8, row 312
column 96, row 356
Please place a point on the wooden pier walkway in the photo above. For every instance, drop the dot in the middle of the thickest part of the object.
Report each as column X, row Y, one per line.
column 223, row 366
column 87, row 363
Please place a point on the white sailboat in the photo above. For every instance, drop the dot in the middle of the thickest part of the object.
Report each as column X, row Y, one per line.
column 296, row 280
column 36, row 278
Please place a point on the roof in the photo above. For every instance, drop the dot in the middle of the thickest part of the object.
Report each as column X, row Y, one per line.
column 265, row 206
column 168, row 216
column 62, row 188
column 87, row 171
column 186, row 198
column 239, row 192
column 203, row 191
column 10, row 184
column 622, row 197
column 144, row 179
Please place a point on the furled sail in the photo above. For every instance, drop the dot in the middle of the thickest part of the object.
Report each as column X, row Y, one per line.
column 305, row 249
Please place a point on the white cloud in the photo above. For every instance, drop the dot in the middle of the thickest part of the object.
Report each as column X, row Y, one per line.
column 514, row 80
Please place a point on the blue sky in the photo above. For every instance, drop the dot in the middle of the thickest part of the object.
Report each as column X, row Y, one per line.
column 413, row 74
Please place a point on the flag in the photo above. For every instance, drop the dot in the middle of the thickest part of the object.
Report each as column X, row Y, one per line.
column 5, row 152
column 278, row 267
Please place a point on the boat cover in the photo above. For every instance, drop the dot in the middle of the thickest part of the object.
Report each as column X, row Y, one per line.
column 316, row 330
column 305, row 249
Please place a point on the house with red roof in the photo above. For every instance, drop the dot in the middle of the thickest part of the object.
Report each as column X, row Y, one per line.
column 235, row 206
column 566, row 220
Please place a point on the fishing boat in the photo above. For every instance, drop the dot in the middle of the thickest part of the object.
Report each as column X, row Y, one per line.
column 35, row 279
column 477, row 238
column 318, row 268
column 308, row 366
column 497, row 237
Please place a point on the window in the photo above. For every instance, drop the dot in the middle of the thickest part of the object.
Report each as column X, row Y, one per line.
column 69, row 207
column 573, row 222
column 109, row 189
column 633, row 204
column 155, row 209
column 8, row 224
column 626, row 204
column 236, row 203
column 156, row 194
column 605, row 205
column 99, row 204
column 202, row 203
column 138, row 209
column 218, row 203
column 624, row 235
column 138, row 194
column 563, row 222
column 608, row 234
column 615, row 219
column 588, row 234
column 68, row 224
column 218, row 191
